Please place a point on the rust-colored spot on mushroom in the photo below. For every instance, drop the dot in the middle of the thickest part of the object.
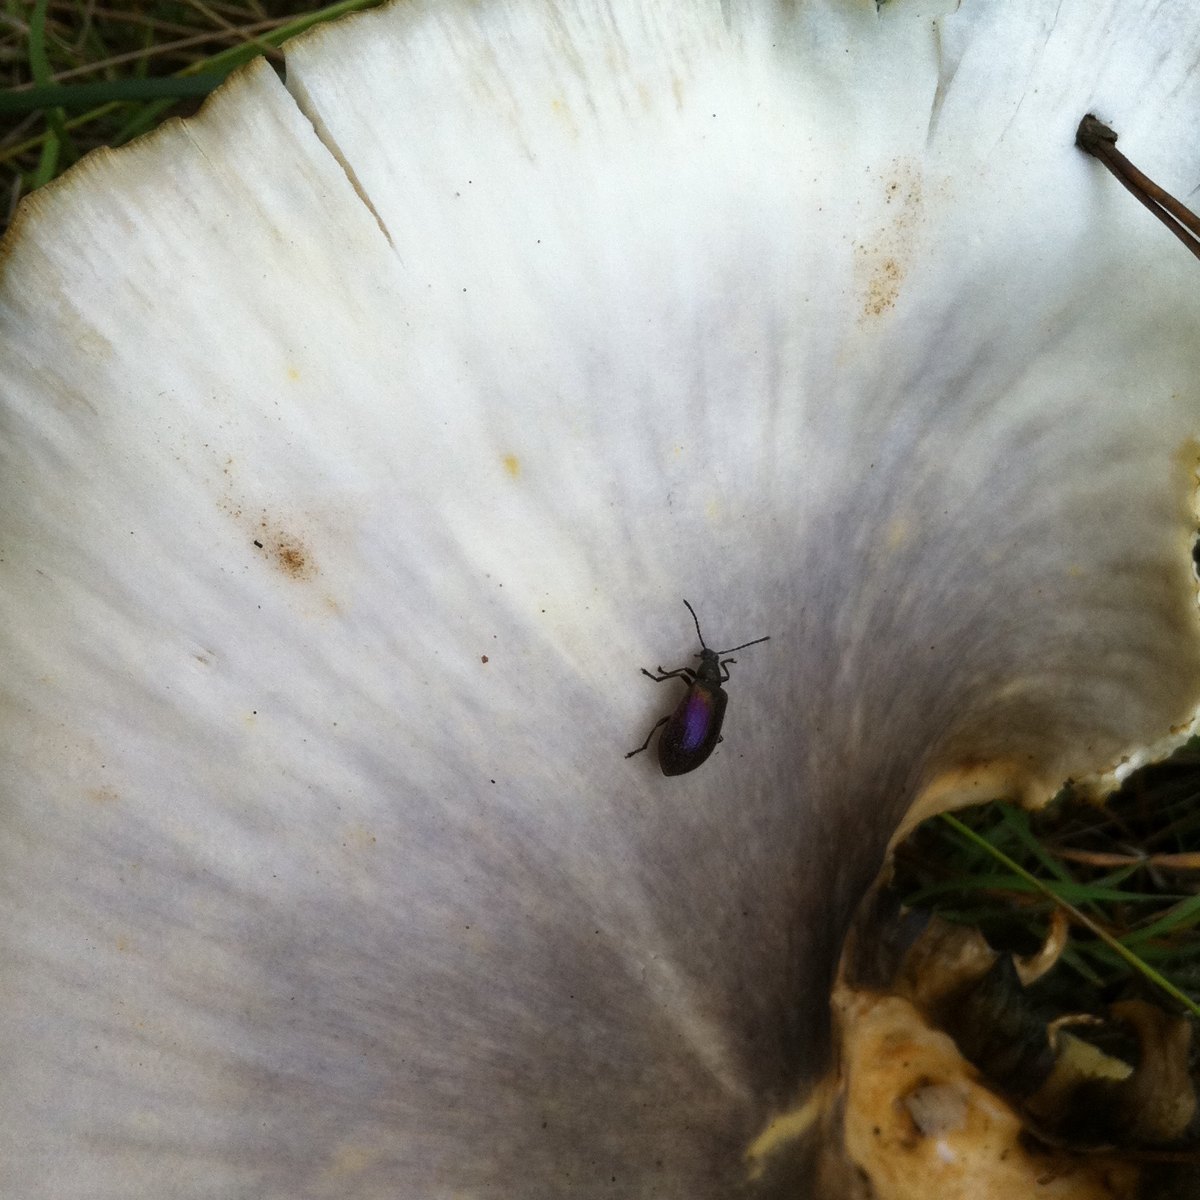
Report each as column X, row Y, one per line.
column 103, row 795
column 285, row 550
column 292, row 558
column 267, row 537
column 883, row 288
column 512, row 464
column 882, row 261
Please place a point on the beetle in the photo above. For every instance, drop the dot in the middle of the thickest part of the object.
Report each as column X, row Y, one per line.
column 694, row 728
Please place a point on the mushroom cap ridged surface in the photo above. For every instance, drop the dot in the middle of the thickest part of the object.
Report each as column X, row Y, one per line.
column 361, row 438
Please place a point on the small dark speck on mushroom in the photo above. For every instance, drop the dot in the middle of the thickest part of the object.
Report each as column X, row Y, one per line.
column 483, row 658
column 258, row 543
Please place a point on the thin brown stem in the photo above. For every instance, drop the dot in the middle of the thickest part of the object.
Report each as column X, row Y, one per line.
column 1097, row 139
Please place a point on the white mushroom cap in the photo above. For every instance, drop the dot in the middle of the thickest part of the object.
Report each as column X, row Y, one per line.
column 500, row 330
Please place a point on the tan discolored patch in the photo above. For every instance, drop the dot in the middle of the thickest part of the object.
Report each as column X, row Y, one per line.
column 919, row 1120
column 103, row 795
column 1187, row 465
column 976, row 783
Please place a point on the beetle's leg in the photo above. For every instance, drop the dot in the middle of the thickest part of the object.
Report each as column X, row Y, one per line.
column 657, row 725
column 724, row 667
column 685, row 673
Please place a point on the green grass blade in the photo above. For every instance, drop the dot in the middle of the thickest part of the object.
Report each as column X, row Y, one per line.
column 39, row 66
column 89, row 95
column 1131, row 959
column 1017, row 821
column 1181, row 916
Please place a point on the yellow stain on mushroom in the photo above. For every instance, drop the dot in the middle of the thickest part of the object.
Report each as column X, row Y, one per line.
column 512, row 465
column 898, row 533
column 357, row 837
column 350, row 1159
column 787, row 1127
column 562, row 112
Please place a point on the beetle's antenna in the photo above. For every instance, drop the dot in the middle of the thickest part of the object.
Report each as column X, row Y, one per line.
column 697, row 621
column 745, row 644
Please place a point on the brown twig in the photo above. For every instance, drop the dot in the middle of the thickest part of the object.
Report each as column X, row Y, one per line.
column 1100, row 858
column 1097, row 139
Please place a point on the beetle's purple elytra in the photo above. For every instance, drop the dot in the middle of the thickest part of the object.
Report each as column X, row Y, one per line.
column 693, row 730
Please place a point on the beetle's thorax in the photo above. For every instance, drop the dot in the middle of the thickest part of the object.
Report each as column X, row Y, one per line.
column 709, row 670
